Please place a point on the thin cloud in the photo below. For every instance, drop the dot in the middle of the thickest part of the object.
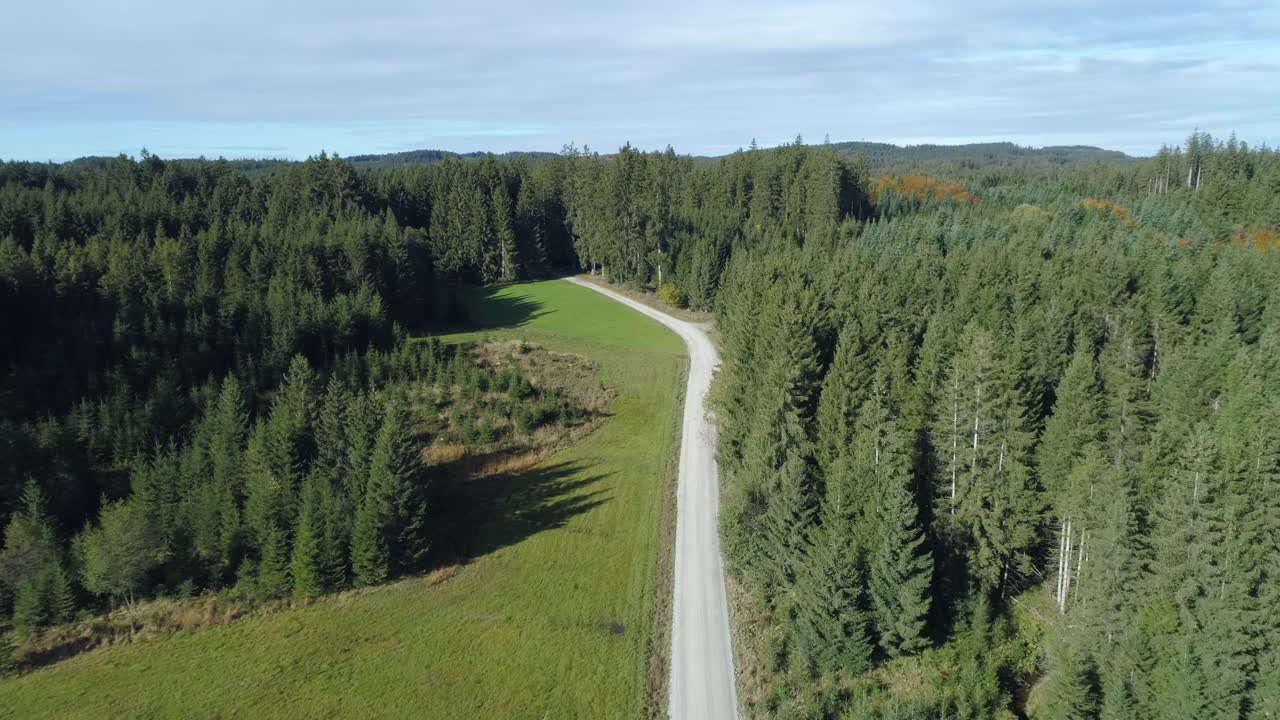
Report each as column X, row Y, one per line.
column 227, row 78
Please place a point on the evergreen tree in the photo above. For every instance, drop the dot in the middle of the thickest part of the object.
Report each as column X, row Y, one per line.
column 777, row 464
column 509, row 261
column 1072, row 694
column 30, row 542
column 830, row 628
column 273, row 569
column 901, row 567
column 1264, row 701
column 308, row 562
column 786, row 523
column 370, row 559
column 396, row 486
column 29, row 611
column 60, row 594
column 845, row 387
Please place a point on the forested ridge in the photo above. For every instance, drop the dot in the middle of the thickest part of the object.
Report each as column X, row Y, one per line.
column 997, row 437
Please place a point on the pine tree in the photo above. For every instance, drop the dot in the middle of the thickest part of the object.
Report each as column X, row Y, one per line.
column 1117, row 696
column 289, row 440
column 334, row 558
column 265, row 504
column 331, row 434
column 1264, row 701
column 1106, row 598
column 1178, row 685
column 988, row 504
column 873, row 458
column 362, row 422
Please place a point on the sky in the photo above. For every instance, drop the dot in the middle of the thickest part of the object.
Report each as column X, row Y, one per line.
column 286, row 79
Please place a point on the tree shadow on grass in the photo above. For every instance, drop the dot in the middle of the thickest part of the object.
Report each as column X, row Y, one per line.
column 479, row 516
column 472, row 307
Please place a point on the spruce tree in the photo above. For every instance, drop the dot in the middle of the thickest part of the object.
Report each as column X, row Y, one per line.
column 901, row 567
column 369, row 557
column 307, row 564
column 829, row 631
column 331, row 434
column 1264, row 700
column 1072, row 695
column 777, row 471
column 786, row 523
column 396, row 486
column 509, row 260
column 30, row 543
column 273, row 569
column 845, row 387
column 60, row 593
column 335, row 510
column 30, row 613
column 1074, row 429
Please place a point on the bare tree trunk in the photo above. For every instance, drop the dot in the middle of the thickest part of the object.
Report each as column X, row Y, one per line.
column 1080, row 562
column 1064, row 564
column 955, row 433
column 1062, row 550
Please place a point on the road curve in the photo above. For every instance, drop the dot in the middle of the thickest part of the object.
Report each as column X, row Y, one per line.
column 702, row 681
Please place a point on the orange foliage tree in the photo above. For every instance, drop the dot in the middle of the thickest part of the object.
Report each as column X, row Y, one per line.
column 1105, row 206
column 921, row 187
column 1258, row 237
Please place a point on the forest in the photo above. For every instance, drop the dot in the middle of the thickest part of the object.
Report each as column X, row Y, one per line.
column 998, row 435
column 1008, row 448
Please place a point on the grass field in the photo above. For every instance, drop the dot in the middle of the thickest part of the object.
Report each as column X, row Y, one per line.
column 553, row 618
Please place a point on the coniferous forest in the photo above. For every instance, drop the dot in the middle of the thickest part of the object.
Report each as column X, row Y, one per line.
column 998, row 437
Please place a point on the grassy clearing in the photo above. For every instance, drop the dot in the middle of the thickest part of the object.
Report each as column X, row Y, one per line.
column 651, row 299
column 553, row 618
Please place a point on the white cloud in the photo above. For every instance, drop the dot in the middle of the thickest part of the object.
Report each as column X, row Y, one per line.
column 705, row 77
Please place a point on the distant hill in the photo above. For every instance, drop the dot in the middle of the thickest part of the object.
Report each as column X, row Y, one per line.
column 884, row 154
column 426, row 157
column 880, row 155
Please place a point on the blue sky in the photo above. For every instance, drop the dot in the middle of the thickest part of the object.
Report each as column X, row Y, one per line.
column 286, row 79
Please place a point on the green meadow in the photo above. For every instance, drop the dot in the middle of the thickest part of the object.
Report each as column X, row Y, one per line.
column 553, row 617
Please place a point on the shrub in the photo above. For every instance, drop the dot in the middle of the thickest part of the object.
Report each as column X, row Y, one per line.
column 672, row 295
